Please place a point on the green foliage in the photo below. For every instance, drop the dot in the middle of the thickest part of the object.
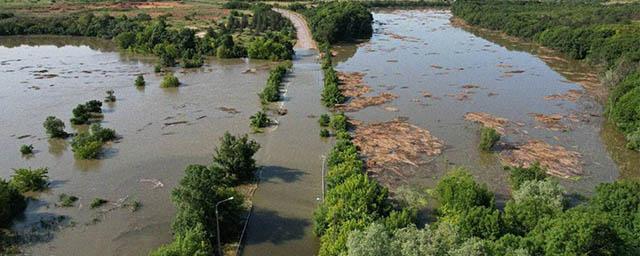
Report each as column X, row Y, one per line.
column 274, row 46
column 488, row 138
column 271, row 91
column 260, row 120
column 83, row 112
column 193, row 242
column 195, row 198
column 604, row 34
column 65, row 200
column 157, row 68
column 26, row 149
column 97, row 202
column 27, row 179
column 458, row 191
column 331, row 94
column 338, row 122
column 519, row 175
column 533, row 202
column 102, row 134
column 140, row 81
column 324, row 120
column 578, row 231
column 85, row 146
column 621, row 200
column 340, row 21
column 12, row 203
column 54, row 127
column 169, row 80
column 234, row 158
column 324, row 133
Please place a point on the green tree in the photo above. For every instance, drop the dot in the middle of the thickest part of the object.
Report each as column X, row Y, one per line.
column 458, row 191
column 532, row 203
column 169, row 80
column 54, row 127
column 488, row 138
column 234, row 157
column 12, row 203
column 519, row 175
column 193, row 242
column 140, row 81
column 27, row 179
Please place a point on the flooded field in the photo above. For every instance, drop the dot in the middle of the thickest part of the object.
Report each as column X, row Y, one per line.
column 436, row 73
column 421, row 70
column 163, row 130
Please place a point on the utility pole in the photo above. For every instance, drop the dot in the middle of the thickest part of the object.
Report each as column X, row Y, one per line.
column 323, row 186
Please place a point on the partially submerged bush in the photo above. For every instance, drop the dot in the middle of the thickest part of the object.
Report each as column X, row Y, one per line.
column 65, row 200
column 27, row 179
column 324, row 120
column 97, row 202
column 83, row 112
column 169, row 80
column 140, row 81
column 234, row 157
column 520, row 175
column 260, row 120
column 338, row 122
column 488, row 138
column 102, row 134
column 85, row 146
column 271, row 92
column 111, row 97
column 54, row 127
column 12, row 203
column 324, row 133
column 26, row 149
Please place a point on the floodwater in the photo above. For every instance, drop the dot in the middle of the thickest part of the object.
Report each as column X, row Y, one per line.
column 417, row 51
column 410, row 52
column 44, row 76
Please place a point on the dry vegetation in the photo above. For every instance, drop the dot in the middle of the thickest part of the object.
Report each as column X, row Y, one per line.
column 557, row 160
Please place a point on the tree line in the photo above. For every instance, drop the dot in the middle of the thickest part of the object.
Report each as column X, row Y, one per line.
column 271, row 37
column 606, row 35
column 336, row 21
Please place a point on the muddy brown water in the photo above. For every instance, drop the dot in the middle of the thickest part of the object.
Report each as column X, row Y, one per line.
column 413, row 51
column 410, row 52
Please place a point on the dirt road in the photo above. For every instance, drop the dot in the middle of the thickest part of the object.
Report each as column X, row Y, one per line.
column 305, row 39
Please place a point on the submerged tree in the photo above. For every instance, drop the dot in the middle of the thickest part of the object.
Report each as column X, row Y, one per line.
column 234, row 157
column 54, row 127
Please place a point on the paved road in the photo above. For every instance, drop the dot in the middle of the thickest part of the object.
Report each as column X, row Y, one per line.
column 305, row 39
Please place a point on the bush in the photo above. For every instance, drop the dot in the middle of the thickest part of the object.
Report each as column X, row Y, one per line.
column 97, row 202
column 86, row 146
column 27, row 179
column 193, row 242
column 157, row 68
column 26, row 149
column 458, row 191
column 54, row 127
column 533, row 202
column 271, row 92
column 260, row 120
column 65, row 200
column 102, row 134
column 325, row 133
column 338, row 122
column 488, row 138
column 140, row 81
column 169, row 80
column 519, row 175
column 324, row 120
column 340, row 21
column 83, row 112
column 12, row 203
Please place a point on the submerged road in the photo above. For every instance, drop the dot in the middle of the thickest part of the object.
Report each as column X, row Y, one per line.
column 290, row 182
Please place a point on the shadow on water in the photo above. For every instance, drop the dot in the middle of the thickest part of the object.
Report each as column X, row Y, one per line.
column 276, row 229
column 284, row 174
column 39, row 227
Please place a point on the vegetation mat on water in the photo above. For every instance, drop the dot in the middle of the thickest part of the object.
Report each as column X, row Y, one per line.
column 487, row 120
column 352, row 84
column 557, row 160
column 551, row 122
column 395, row 142
column 359, row 103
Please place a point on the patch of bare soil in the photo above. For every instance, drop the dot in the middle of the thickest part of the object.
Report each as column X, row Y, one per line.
column 361, row 102
column 487, row 120
column 557, row 160
column 551, row 122
column 352, row 84
column 570, row 95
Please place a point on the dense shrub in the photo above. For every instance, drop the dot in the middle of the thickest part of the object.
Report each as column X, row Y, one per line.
column 324, row 120
column 169, row 80
column 271, row 47
column 458, row 191
column 192, row 242
column 335, row 21
column 234, row 158
column 26, row 149
column 271, row 91
column 338, row 122
column 260, row 120
column 488, row 138
column 85, row 146
column 12, row 203
column 27, row 179
column 54, row 127
column 65, row 200
column 83, row 112
column 519, row 175
column 324, row 133
column 102, row 134
column 97, row 202
column 140, row 81
column 331, row 94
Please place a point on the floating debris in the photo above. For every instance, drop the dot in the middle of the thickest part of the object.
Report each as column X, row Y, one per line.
column 557, row 160
column 175, row 123
column 487, row 120
column 395, row 142
column 570, row 95
column 352, row 84
column 365, row 101
column 155, row 182
column 229, row 110
column 551, row 122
